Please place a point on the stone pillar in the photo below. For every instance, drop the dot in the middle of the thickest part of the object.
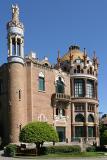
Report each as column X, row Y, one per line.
column 16, row 45
column 22, row 48
column 10, row 47
column 73, row 120
column 68, row 126
column 85, row 87
column 86, row 120
column 72, row 87
column 73, row 131
column 94, row 90
column 96, row 121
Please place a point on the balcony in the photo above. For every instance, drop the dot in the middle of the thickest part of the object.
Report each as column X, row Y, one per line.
column 62, row 97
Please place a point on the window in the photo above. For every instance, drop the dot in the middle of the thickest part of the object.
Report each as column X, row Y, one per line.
column 90, row 107
column 79, row 88
column 90, row 118
column 78, row 61
column 90, row 89
column 79, row 107
column 60, row 112
column 1, row 86
column 41, row 82
column 82, row 71
column 79, row 118
column 74, row 70
column 79, row 131
column 19, row 95
column 91, row 131
column 90, row 70
column 78, row 69
column 61, row 133
column 59, row 86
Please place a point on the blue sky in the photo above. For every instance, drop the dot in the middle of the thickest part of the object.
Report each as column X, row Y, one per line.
column 56, row 24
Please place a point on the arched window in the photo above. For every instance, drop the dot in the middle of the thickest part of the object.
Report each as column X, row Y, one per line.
column 90, row 70
column 79, row 118
column 78, row 69
column 90, row 118
column 41, row 82
column 59, row 86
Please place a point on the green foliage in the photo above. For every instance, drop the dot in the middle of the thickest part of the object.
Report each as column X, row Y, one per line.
column 104, row 138
column 101, row 149
column 91, row 149
column 63, row 149
column 10, row 150
column 38, row 132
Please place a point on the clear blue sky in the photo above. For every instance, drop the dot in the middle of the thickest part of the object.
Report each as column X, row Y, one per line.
column 56, row 24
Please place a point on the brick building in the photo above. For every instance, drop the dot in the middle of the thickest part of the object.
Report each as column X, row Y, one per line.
column 64, row 95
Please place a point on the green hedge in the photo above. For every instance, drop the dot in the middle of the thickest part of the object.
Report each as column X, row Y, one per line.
column 10, row 150
column 91, row 149
column 63, row 149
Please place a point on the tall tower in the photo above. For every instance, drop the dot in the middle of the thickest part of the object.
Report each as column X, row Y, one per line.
column 16, row 83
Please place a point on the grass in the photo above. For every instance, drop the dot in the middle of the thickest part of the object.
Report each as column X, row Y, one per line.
column 67, row 155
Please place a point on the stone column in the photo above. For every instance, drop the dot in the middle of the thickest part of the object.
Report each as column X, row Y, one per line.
column 96, row 90
column 68, row 121
column 85, row 88
column 94, row 94
column 86, row 120
column 16, row 45
column 72, row 87
column 10, row 47
column 96, row 121
column 22, row 48
column 73, row 121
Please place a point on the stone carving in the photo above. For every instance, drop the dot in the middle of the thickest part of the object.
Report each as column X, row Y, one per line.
column 15, row 13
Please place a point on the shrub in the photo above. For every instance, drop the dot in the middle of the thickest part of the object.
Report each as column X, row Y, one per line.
column 63, row 149
column 10, row 150
column 43, row 150
column 91, row 149
column 101, row 149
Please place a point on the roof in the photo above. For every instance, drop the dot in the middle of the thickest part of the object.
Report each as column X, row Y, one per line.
column 77, row 54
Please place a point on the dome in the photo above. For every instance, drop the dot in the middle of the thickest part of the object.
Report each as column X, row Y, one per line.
column 75, row 52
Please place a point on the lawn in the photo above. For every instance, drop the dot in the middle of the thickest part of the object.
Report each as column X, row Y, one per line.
column 68, row 155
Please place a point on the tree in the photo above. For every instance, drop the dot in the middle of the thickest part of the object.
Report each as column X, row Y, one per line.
column 104, row 138
column 38, row 132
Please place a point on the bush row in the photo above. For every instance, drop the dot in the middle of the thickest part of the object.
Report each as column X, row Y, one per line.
column 63, row 149
column 11, row 150
column 96, row 149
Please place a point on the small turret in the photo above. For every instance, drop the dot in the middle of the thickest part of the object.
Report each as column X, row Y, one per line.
column 15, row 37
column 85, row 58
column 95, row 61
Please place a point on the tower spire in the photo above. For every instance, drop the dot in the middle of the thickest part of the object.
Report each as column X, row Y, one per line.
column 85, row 57
column 15, row 13
column 58, row 59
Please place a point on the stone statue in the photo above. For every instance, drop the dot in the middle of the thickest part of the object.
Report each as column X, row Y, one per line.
column 15, row 13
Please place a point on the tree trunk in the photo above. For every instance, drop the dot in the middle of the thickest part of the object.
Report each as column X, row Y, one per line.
column 37, row 149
